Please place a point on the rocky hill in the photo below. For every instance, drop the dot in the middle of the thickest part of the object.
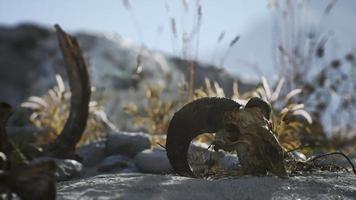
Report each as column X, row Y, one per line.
column 120, row 71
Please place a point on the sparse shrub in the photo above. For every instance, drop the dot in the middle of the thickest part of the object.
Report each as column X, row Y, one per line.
column 51, row 111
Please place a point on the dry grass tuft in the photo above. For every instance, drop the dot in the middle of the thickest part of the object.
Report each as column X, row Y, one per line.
column 51, row 111
column 155, row 116
column 290, row 122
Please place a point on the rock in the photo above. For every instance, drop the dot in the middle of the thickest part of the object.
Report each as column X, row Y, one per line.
column 298, row 156
column 201, row 159
column 153, row 161
column 66, row 168
column 337, row 160
column 156, row 161
column 117, row 163
column 229, row 162
column 92, row 153
column 166, row 187
column 128, row 144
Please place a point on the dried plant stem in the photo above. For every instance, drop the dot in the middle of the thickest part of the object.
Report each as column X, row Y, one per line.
column 161, row 145
column 191, row 79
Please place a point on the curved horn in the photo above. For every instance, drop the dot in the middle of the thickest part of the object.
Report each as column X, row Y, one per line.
column 79, row 83
column 260, row 103
column 201, row 116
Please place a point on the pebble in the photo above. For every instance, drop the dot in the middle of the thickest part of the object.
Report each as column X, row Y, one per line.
column 117, row 163
column 92, row 154
column 128, row 144
column 153, row 161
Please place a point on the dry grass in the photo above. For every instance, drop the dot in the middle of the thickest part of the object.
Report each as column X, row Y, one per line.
column 51, row 111
column 290, row 122
column 297, row 51
column 306, row 60
column 155, row 116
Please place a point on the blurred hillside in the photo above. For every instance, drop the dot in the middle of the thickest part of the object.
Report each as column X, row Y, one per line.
column 120, row 71
column 277, row 39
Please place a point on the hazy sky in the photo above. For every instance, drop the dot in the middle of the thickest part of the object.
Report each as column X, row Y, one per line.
column 148, row 23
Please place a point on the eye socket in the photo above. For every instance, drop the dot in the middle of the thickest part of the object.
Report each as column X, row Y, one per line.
column 234, row 132
column 231, row 127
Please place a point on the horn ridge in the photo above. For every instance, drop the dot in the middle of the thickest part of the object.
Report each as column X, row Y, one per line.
column 204, row 115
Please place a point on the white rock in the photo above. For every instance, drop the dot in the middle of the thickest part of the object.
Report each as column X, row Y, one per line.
column 153, row 161
column 229, row 162
column 117, row 163
column 201, row 159
column 298, row 156
column 128, row 144
column 92, row 153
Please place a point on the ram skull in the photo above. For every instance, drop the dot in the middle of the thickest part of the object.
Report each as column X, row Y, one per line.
column 244, row 129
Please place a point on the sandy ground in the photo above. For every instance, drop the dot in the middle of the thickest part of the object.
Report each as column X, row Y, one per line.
column 136, row 186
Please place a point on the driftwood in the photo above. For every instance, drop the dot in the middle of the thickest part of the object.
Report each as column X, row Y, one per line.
column 64, row 145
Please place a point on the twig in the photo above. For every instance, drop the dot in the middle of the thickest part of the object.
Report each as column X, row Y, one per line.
column 161, row 145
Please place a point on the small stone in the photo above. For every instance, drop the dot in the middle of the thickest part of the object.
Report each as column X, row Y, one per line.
column 92, row 154
column 337, row 160
column 128, row 144
column 298, row 156
column 66, row 168
column 201, row 159
column 153, row 161
column 116, row 163
column 229, row 162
